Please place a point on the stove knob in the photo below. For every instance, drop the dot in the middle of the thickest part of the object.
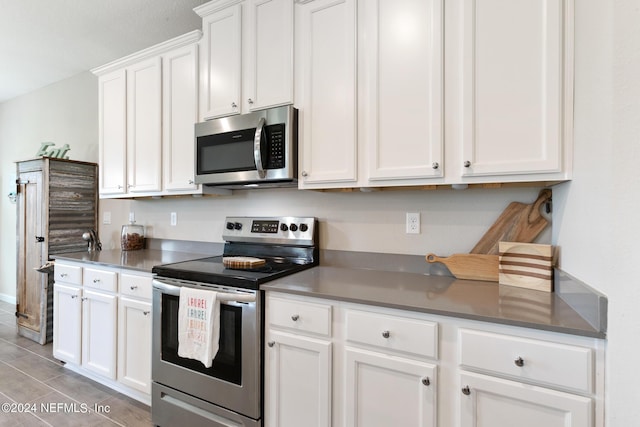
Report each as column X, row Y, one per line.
column 229, row 226
column 284, row 227
column 293, row 227
column 237, row 226
column 304, row 227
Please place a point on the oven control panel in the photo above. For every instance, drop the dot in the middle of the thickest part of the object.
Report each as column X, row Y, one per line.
column 281, row 230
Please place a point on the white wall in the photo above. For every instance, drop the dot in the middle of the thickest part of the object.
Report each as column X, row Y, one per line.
column 596, row 215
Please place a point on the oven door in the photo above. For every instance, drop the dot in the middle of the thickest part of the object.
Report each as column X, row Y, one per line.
column 234, row 380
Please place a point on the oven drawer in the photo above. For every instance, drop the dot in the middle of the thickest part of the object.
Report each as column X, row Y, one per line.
column 301, row 316
column 136, row 285
column 393, row 333
column 68, row 274
column 103, row 280
column 536, row 361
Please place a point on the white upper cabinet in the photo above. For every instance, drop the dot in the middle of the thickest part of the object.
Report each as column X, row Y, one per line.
column 112, row 128
column 326, row 92
column 144, row 126
column 401, row 85
column 179, row 113
column 516, row 82
column 246, row 56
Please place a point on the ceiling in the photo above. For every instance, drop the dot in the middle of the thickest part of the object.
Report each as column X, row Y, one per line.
column 45, row 41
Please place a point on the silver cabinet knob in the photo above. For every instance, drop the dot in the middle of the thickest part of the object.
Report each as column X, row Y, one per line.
column 304, row 174
column 466, row 390
column 435, row 165
column 96, row 280
column 63, row 274
column 426, row 381
column 119, row 187
column 234, row 105
column 295, row 317
column 386, row 334
column 83, row 298
column 250, row 101
column 271, row 343
column 519, row 362
column 133, row 288
column 74, row 296
column 467, row 163
column 146, row 313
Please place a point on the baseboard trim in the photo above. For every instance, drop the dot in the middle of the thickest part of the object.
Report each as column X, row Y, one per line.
column 8, row 298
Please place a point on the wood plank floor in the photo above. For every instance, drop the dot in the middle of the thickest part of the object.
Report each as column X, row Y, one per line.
column 31, row 377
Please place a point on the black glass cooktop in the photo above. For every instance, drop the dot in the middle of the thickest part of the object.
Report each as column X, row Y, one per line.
column 212, row 270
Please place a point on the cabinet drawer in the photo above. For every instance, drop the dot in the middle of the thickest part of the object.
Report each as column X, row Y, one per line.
column 301, row 316
column 535, row 361
column 67, row 274
column 100, row 279
column 136, row 285
column 401, row 334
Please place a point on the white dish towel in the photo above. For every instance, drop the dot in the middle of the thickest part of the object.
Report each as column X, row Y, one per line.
column 198, row 325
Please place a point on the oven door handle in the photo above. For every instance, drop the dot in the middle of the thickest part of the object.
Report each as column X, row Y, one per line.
column 257, row 148
column 222, row 296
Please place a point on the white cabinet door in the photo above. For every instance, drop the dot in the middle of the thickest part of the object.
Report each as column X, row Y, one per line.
column 144, row 121
column 326, row 92
column 112, row 132
column 269, row 63
column 515, row 77
column 67, row 323
column 492, row 402
column 298, row 382
column 221, row 72
column 134, row 344
column 179, row 113
column 99, row 333
column 402, row 77
column 386, row 391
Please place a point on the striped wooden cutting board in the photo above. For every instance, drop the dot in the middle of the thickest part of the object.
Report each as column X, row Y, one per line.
column 526, row 265
column 242, row 262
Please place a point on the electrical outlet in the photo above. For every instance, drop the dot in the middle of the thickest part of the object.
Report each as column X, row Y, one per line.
column 413, row 223
column 174, row 218
column 106, row 217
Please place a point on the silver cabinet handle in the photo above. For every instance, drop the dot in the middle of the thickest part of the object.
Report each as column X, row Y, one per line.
column 295, row 317
column 271, row 343
column 133, row 288
column 304, row 174
column 234, row 105
column 96, row 280
column 191, row 182
column 386, row 334
column 426, row 381
column 257, row 148
column 250, row 101
column 435, row 165
column 83, row 298
column 519, row 361
column 119, row 187
column 467, row 163
column 74, row 296
column 466, row 390
column 146, row 313
column 63, row 274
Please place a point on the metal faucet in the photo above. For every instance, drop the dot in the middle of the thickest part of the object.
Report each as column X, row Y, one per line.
column 91, row 236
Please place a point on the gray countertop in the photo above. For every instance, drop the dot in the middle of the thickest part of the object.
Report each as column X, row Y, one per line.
column 442, row 295
column 141, row 260
column 404, row 289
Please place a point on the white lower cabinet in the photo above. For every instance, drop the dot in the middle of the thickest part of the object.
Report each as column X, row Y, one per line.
column 134, row 344
column 389, row 391
column 299, row 387
column 340, row 364
column 102, row 325
column 495, row 402
column 99, row 333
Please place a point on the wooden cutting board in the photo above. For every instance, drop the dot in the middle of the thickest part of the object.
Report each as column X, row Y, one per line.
column 519, row 222
column 469, row 266
column 242, row 262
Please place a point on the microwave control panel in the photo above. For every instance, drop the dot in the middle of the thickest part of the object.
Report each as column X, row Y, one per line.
column 275, row 144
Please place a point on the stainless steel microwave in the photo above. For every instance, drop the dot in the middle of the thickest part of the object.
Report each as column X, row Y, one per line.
column 249, row 150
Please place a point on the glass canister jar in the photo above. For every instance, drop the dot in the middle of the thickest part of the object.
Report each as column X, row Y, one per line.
column 132, row 237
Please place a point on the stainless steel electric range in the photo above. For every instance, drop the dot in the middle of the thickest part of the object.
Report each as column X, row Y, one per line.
column 230, row 392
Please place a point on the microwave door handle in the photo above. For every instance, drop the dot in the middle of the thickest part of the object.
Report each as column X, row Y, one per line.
column 257, row 148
